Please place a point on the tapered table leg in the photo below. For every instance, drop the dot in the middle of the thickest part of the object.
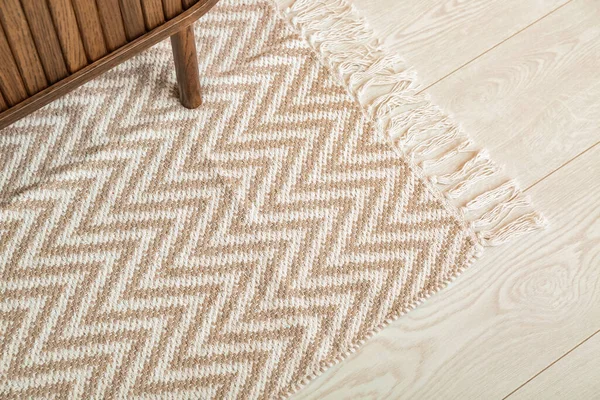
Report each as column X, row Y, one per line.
column 186, row 67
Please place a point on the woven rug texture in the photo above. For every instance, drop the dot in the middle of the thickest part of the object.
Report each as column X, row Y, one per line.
column 232, row 251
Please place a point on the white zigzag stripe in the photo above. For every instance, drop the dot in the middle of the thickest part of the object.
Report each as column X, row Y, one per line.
column 232, row 251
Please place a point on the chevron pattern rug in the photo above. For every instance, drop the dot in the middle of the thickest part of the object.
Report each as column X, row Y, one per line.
column 233, row 251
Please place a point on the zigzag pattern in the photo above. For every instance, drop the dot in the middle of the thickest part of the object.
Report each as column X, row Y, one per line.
column 232, row 251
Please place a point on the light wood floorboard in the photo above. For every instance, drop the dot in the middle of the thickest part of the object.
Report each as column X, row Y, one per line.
column 534, row 101
column 438, row 36
column 574, row 376
column 505, row 319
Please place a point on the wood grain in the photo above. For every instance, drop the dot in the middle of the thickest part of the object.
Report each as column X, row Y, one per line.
column 11, row 84
column 22, row 46
column 172, row 8
column 133, row 18
column 88, row 20
column 112, row 23
column 576, row 376
column 46, row 40
column 436, row 37
column 67, row 29
column 533, row 101
column 3, row 105
column 510, row 315
column 188, row 3
column 186, row 67
column 153, row 13
column 114, row 58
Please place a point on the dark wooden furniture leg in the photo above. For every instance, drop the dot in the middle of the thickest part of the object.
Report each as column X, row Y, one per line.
column 186, row 67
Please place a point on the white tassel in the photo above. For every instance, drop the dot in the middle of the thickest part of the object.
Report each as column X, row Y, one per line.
column 478, row 174
column 501, row 211
column 464, row 171
column 485, row 199
column 435, row 143
column 462, row 147
column 523, row 224
column 386, row 89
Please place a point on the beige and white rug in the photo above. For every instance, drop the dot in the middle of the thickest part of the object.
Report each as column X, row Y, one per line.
column 236, row 250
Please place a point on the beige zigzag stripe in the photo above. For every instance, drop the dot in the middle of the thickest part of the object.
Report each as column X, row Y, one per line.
column 472, row 184
column 233, row 251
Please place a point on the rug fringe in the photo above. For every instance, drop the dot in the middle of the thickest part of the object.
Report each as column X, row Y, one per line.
column 435, row 144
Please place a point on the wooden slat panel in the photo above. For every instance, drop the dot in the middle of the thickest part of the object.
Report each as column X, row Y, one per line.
column 172, row 8
column 133, row 18
column 188, row 3
column 11, row 83
column 3, row 105
column 22, row 45
column 112, row 59
column 153, row 13
column 68, row 34
column 112, row 23
column 46, row 40
column 89, row 26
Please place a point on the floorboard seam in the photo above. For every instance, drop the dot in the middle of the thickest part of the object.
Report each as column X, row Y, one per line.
column 550, row 365
column 496, row 45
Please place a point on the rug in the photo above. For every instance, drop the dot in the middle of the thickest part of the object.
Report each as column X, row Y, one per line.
column 240, row 249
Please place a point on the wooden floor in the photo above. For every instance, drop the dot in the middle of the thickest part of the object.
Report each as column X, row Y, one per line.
column 523, row 78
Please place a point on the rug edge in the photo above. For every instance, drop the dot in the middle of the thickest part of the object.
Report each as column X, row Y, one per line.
column 323, row 367
column 350, row 49
column 469, row 182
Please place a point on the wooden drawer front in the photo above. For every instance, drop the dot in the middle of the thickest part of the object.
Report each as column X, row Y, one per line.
column 44, row 41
